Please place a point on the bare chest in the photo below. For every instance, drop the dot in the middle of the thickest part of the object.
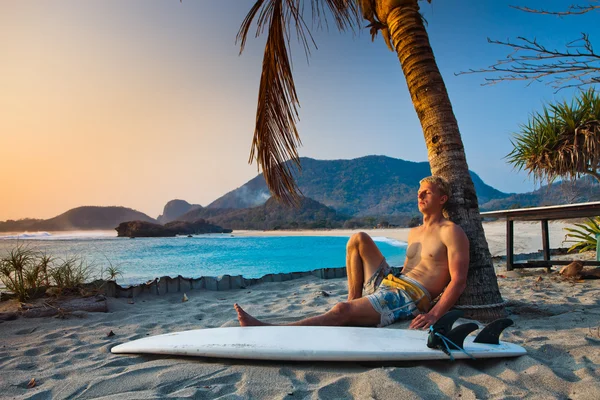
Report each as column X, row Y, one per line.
column 426, row 247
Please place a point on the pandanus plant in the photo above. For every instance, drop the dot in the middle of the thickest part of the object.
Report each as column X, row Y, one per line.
column 561, row 141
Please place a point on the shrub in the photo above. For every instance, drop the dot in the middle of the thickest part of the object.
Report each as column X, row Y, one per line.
column 584, row 236
column 112, row 271
column 71, row 273
column 21, row 272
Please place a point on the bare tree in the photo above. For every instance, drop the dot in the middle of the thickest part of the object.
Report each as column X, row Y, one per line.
column 577, row 65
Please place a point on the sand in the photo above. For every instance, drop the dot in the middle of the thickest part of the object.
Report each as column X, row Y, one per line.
column 556, row 320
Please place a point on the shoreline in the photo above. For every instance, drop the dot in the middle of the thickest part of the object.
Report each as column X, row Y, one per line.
column 527, row 235
column 527, row 243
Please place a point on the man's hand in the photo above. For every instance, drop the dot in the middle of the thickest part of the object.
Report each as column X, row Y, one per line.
column 422, row 321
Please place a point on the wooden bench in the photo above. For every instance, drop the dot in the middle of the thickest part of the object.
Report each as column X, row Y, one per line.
column 544, row 214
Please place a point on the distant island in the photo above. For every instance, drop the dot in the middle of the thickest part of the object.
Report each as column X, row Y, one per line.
column 365, row 192
column 148, row 229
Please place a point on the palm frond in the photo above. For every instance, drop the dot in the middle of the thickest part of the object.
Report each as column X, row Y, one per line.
column 561, row 141
column 276, row 137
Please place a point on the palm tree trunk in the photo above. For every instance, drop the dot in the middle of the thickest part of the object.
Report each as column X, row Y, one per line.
column 445, row 149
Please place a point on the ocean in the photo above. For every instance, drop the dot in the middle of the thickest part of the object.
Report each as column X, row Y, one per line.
column 143, row 259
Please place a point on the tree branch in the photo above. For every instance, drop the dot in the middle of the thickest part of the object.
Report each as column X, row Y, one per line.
column 576, row 66
column 574, row 9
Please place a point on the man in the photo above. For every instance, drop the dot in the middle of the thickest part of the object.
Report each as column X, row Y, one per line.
column 437, row 260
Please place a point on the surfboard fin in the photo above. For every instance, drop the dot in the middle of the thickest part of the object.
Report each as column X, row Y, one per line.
column 458, row 334
column 442, row 327
column 491, row 333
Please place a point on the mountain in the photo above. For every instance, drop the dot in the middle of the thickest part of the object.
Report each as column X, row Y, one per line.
column 367, row 186
column 581, row 191
column 272, row 215
column 80, row 218
column 174, row 209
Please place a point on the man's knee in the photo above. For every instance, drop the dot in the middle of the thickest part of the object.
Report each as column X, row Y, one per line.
column 342, row 312
column 358, row 239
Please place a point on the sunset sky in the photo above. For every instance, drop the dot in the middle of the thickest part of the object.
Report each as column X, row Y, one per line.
column 139, row 102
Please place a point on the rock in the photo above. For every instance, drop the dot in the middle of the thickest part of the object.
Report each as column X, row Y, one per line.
column 148, row 229
column 176, row 208
column 572, row 270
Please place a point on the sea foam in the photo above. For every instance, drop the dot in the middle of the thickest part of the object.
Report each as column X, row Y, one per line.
column 66, row 235
column 391, row 242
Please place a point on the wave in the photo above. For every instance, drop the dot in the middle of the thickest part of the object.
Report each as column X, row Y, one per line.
column 390, row 241
column 67, row 235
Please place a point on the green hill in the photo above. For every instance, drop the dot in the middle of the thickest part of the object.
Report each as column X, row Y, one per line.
column 581, row 191
column 272, row 215
column 367, row 186
column 80, row 218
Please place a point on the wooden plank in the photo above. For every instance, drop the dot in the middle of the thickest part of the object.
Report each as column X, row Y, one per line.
column 545, row 240
column 509, row 245
column 546, row 264
column 566, row 211
column 555, row 215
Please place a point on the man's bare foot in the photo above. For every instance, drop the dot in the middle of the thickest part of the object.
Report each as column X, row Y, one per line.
column 247, row 319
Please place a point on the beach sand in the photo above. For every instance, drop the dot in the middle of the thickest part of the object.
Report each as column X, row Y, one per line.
column 556, row 320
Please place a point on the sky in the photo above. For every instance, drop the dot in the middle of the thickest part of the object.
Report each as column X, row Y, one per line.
column 135, row 103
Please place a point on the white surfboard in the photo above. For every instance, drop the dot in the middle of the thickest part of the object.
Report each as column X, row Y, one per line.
column 309, row 343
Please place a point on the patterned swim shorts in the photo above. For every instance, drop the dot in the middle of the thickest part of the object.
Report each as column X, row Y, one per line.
column 370, row 286
column 391, row 303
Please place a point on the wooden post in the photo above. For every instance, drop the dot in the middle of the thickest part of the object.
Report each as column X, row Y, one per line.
column 509, row 244
column 546, row 243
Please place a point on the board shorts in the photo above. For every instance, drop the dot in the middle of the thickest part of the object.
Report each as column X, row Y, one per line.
column 395, row 297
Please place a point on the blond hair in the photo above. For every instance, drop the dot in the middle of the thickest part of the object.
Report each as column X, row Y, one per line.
column 443, row 186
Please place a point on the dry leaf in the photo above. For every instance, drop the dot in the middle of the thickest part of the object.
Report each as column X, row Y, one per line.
column 539, row 279
column 31, row 383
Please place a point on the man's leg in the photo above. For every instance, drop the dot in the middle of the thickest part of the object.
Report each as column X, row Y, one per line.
column 357, row 312
column 362, row 260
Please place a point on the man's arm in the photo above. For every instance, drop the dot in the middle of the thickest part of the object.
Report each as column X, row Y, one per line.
column 408, row 242
column 458, row 264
